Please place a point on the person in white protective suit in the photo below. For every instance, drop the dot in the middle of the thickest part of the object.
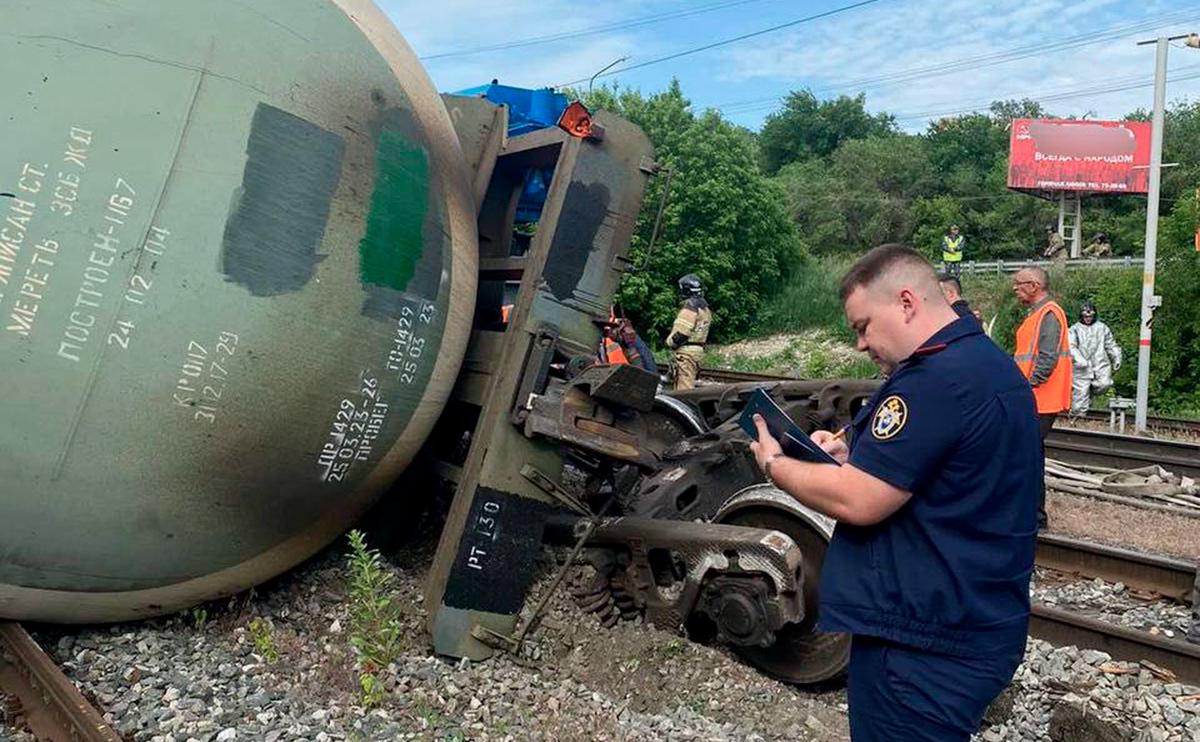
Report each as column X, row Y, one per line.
column 1095, row 356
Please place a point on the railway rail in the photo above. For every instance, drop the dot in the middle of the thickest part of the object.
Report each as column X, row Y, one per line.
column 48, row 702
column 1122, row 451
column 1172, row 578
column 1158, row 423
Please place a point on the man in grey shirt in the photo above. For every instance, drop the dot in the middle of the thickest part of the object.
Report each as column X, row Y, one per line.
column 1042, row 352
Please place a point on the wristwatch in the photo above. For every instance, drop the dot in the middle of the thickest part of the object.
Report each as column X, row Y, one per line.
column 766, row 467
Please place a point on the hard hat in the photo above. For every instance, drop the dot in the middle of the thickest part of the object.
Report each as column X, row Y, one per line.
column 690, row 285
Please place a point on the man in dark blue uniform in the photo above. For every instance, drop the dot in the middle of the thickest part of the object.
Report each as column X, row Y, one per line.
column 936, row 502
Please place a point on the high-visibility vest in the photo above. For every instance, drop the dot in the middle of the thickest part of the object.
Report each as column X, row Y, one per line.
column 951, row 249
column 612, row 352
column 1054, row 395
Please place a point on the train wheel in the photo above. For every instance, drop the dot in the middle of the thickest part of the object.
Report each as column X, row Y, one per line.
column 800, row 654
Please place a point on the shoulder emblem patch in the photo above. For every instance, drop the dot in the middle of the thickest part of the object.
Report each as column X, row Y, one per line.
column 890, row 417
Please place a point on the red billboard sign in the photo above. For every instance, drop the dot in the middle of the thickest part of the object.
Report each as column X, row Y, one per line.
column 1063, row 155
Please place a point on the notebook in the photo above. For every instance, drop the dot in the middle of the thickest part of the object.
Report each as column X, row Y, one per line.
column 795, row 442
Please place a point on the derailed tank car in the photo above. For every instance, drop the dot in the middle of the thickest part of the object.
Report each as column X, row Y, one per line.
column 250, row 261
column 237, row 271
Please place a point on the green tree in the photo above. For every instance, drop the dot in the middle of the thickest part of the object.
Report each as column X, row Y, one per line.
column 962, row 150
column 1004, row 111
column 881, row 179
column 725, row 221
column 1175, row 356
column 807, row 127
column 815, row 198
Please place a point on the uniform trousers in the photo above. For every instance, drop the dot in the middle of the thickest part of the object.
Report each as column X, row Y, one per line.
column 901, row 694
column 687, row 368
column 1045, row 425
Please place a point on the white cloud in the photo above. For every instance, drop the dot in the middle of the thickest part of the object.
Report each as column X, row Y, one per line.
column 850, row 53
column 841, row 54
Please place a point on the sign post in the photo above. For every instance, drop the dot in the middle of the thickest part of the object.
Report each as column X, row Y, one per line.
column 1149, row 300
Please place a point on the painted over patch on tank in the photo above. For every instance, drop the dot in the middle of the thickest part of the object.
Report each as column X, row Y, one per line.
column 236, row 277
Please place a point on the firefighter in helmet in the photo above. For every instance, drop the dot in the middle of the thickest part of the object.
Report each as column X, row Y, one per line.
column 689, row 333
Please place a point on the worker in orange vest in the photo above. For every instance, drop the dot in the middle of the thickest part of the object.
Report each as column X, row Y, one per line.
column 611, row 350
column 1043, row 354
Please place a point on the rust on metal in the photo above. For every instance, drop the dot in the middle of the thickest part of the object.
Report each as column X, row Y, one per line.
column 1130, row 645
column 50, row 704
column 1122, row 451
column 1167, row 576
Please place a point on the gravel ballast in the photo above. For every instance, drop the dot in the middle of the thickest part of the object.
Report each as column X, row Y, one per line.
column 217, row 674
column 179, row 679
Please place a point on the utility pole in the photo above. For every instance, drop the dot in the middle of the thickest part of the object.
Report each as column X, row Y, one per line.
column 1149, row 300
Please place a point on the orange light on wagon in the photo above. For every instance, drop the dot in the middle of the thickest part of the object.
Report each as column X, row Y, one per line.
column 576, row 121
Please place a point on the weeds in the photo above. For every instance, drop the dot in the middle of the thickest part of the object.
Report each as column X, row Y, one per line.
column 199, row 617
column 375, row 629
column 264, row 642
column 370, row 689
column 672, row 648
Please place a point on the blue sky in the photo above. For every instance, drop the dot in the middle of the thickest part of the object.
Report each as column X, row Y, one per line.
column 1078, row 56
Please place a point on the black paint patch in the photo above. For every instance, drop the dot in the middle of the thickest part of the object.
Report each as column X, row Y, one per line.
column 495, row 557
column 584, row 210
column 280, row 212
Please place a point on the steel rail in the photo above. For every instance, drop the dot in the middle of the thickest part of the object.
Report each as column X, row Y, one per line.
column 1168, row 576
column 50, row 704
column 1122, row 451
column 1130, row 645
column 730, row 376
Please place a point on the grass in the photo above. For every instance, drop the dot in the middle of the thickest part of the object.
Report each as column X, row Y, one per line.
column 673, row 647
column 809, row 300
column 809, row 356
column 199, row 616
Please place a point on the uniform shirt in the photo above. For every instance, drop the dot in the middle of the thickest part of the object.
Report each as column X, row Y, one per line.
column 956, row 426
column 691, row 324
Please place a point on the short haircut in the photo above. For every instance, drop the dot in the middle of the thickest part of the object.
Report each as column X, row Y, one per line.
column 947, row 278
column 1039, row 275
column 883, row 261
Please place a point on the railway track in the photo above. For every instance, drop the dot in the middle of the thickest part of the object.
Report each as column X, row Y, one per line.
column 1172, row 578
column 1122, row 451
column 47, row 702
column 1155, row 424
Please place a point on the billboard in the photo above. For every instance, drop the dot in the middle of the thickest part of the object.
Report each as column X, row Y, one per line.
column 1065, row 155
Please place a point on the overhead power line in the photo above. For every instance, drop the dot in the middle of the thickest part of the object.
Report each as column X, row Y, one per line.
column 726, row 42
column 590, row 30
column 972, row 63
column 1108, row 88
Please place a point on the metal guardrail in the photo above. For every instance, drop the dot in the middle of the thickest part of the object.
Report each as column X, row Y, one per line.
column 1012, row 266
